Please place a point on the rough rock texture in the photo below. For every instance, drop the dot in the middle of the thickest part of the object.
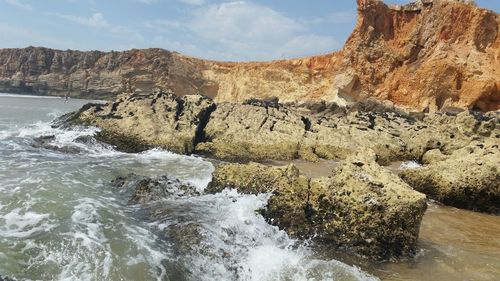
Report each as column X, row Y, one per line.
column 263, row 130
column 432, row 55
column 468, row 178
column 449, row 132
column 147, row 189
column 361, row 206
column 137, row 122
column 256, row 132
column 266, row 130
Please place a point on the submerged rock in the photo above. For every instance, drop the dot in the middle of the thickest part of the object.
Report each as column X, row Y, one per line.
column 469, row 178
column 47, row 142
column 147, row 189
column 360, row 206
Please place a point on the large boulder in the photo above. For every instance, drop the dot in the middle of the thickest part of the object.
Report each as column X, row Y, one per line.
column 469, row 178
column 137, row 122
column 361, row 206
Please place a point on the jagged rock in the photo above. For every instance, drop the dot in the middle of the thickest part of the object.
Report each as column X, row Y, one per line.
column 46, row 142
column 137, row 122
column 255, row 132
column 361, row 206
column 421, row 56
column 469, row 178
column 147, row 189
column 449, row 133
column 242, row 131
column 258, row 131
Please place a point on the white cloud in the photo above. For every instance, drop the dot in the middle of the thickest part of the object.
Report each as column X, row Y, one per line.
column 304, row 45
column 97, row 20
column 23, row 37
column 19, row 4
column 149, row 2
column 174, row 45
column 243, row 22
column 189, row 2
column 241, row 30
column 163, row 26
column 193, row 2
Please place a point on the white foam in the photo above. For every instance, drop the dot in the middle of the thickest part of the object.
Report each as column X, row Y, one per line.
column 238, row 244
column 195, row 170
column 409, row 165
column 21, row 224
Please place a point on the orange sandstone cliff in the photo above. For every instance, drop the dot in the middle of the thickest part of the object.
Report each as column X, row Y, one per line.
column 427, row 55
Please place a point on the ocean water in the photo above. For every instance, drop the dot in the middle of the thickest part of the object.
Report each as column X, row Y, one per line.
column 60, row 219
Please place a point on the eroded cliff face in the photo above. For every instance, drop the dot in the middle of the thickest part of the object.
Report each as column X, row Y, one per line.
column 431, row 54
column 426, row 55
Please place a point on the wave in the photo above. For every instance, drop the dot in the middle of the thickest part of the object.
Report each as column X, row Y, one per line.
column 228, row 240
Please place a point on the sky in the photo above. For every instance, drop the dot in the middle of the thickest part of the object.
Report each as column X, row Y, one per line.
column 236, row 30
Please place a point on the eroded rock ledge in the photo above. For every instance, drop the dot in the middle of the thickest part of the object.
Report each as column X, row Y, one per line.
column 263, row 130
column 267, row 130
column 361, row 205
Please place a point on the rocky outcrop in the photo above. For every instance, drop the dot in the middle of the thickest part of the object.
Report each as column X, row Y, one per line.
column 262, row 130
column 137, row 122
column 144, row 190
column 430, row 55
column 251, row 132
column 360, row 207
column 443, row 53
column 469, row 178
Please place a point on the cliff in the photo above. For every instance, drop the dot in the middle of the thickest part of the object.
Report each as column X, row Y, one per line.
column 427, row 55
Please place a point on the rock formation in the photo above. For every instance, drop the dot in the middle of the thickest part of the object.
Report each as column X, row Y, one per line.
column 429, row 55
column 360, row 207
column 144, row 190
column 266, row 130
column 259, row 131
column 469, row 178
column 138, row 122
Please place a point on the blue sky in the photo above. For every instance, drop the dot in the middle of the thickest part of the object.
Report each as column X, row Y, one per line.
column 214, row 29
